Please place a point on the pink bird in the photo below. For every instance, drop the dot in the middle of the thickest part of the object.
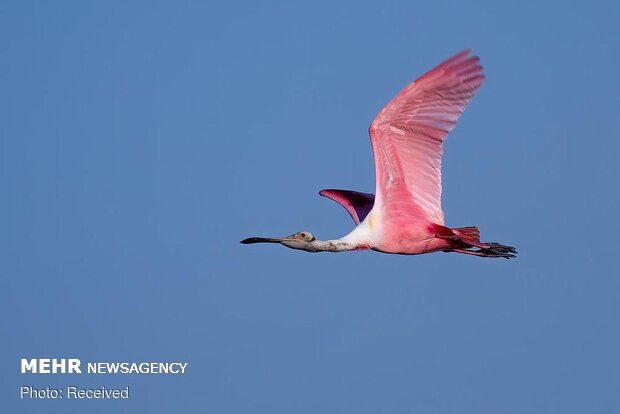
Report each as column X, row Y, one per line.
column 405, row 216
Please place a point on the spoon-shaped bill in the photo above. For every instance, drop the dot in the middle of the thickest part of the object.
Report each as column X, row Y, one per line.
column 251, row 240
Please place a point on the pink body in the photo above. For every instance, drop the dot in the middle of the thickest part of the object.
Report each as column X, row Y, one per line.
column 407, row 139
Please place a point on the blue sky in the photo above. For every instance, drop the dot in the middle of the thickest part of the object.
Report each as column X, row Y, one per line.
column 140, row 141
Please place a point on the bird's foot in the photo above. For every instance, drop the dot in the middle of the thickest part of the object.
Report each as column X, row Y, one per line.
column 491, row 250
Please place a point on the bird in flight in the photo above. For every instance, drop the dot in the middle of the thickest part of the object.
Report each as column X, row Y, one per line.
column 405, row 216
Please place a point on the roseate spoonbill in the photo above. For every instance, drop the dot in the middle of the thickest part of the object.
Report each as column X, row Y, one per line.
column 405, row 216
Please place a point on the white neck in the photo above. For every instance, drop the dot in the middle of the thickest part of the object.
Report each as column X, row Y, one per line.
column 331, row 246
column 358, row 239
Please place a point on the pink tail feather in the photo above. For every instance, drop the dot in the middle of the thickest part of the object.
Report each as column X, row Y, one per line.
column 471, row 233
column 466, row 240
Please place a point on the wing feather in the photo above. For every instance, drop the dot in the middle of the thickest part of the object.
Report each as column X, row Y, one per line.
column 407, row 137
column 357, row 204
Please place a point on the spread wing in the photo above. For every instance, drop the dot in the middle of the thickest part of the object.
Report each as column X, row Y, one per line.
column 357, row 204
column 407, row 138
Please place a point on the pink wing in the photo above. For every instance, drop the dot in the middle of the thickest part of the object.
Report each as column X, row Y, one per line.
column 407, row 138
column 357, row 204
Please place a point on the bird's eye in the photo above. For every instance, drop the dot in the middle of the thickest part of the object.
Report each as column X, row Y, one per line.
column 302, row 235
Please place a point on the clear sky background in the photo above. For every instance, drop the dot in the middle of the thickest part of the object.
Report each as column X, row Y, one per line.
column 141, row 141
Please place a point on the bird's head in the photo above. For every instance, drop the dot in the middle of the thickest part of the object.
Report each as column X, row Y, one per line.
column 302, row 240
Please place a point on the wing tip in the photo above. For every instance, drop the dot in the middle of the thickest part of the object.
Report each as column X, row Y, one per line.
column 462, row 64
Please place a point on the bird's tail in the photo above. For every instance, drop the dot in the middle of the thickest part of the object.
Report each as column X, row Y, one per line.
column 471, row 233
column 466, row 240
column 469, row 238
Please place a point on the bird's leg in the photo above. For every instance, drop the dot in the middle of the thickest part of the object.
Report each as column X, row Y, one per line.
column 491, row 250
column 479, row 253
